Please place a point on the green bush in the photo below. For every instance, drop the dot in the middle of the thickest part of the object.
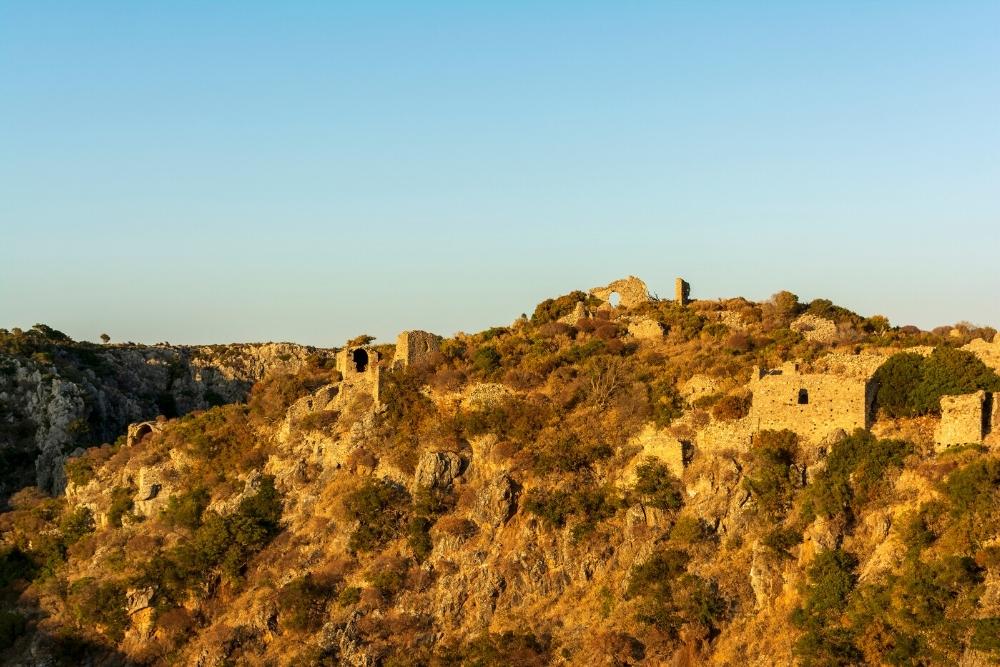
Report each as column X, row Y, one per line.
column 656, row 486
column 856, row 472
column 185, row 510
column 302, row 603
column 486, row 360
column 121, row 504
column 99, row 605
column 553, row 309
column 773, row 477
column 910, row 385
column 671, row 597
column 567, row 454
column 419, row 538
column 380, row 507
column 77, row 524
column 986, row 635
column 831, row 579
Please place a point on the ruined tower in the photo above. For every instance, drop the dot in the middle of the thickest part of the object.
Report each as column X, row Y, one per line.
column 682, row 290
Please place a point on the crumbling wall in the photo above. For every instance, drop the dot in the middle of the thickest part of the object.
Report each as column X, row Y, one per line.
column 810, row 404
column 139, row 430
column 414, row 347
column 814, row 328
column 631, row 292
column 657, row 444
column 360, row 372
column 964, row 420
column 682, row 291
column 645, row 329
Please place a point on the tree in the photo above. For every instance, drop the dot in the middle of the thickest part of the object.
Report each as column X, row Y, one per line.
column 105, row 338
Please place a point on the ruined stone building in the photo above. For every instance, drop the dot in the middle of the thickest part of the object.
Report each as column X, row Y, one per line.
column 414, row 347
column 967, row 419
column 360, row 371
column 812, row 405
column 627, row 292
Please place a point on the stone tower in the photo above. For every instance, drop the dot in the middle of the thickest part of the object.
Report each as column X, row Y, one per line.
column 682, row 290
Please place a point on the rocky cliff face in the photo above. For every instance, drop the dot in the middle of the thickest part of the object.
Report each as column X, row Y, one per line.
column 53, row 404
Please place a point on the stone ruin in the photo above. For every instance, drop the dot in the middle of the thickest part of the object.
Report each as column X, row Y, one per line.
column 682, row 292
column 815, row 328
column 415, row 347
column 359, row 370
column 137, row 432
column 631, row 292
column 967, row 419
column 812, row 405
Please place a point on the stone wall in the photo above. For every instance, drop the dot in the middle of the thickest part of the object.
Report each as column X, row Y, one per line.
column 815, row 328
column 811, row 404
column 964, row 419
column 682, row 291
column 136, row 432
column 631, row 292
column 414, row 347
column 654, row 443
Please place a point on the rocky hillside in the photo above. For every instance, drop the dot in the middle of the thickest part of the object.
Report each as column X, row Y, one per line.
column 590, row 486
column 57, row 395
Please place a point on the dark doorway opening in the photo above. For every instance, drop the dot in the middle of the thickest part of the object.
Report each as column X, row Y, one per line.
column 142, row 432
column 803, row 396
column 360, row 358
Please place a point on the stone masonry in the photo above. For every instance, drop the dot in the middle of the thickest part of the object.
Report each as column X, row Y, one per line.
column 414, row 347
column 965, row 419
column 810, row 404
column 682, row 292
column 631, row 292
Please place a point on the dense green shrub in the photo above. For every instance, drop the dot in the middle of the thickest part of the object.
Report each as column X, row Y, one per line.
column 672, row 597
column 656, row 486
column 302, row 603
column 910, row 385
column 486, row 360
column 856, row 472
column 773, row 477
column 76, row 524
column 185, row 510
column 221, row 544
column 831, row 579
column 99, row 605
column 419, row 538
column 380, row 507
column 586, row 504
column 121, row 504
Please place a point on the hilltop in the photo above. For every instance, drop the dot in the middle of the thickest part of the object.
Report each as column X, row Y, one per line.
column 617, row 479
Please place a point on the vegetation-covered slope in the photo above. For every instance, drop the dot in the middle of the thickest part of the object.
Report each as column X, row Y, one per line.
column 507, row 503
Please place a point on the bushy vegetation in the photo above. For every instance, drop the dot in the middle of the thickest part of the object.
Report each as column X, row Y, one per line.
column 910, row 384
column 857, row 472
column 303, row 603
column 381, row 508
column 774, row 476
column 220, row 545
column 670, row 597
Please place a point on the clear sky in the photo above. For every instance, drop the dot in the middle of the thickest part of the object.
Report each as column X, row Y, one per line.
column 307, row 171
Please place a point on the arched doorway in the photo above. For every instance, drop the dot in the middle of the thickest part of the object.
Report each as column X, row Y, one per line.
column 360, row 359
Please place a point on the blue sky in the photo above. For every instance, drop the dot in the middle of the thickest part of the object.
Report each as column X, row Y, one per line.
column 307, row 171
